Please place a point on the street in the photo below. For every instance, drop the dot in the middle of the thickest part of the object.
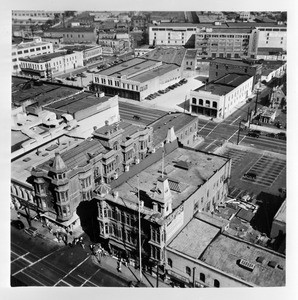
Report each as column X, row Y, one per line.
column 36, row 262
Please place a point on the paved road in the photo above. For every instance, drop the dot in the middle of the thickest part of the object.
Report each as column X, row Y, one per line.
column 35, row 262
column 217, row 133
column 138, row 114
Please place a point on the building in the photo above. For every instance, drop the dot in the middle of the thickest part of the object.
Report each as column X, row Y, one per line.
column 137, row 78
column 90, row 53
column 279, row 222
column 172, row 34
column 185, row 127
column 23, row 197
column 73, row 35
column 112, row 46
column 142, row 50
column 190, row 60
column 272, row 69
column 50, row 65
column 222, row 66
column 172, row 184
column 62, row 182
column 139, row 22
column 219, row 98
column 266, row 53
column 220, row 39
column 25, row 49
column 203, row 255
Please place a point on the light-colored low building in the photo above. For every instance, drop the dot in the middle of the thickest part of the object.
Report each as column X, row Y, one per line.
column 137, row 78
column 51, row 65
column 279, row 222
column 221, row 97
column 271, row 69
column 202, row 254
column 34, row 48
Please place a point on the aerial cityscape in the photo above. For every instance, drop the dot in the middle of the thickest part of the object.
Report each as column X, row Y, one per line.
column 148, row 149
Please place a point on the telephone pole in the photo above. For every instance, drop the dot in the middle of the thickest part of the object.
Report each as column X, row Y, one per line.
column 257, row 98
column 238, row 132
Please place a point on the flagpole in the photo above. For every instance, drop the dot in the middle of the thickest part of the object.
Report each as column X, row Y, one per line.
column 140, row 245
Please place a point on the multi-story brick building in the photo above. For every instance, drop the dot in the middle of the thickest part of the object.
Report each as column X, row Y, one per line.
column 222, row 66
column 62, row 182
column 169, row 187
column 73, row 35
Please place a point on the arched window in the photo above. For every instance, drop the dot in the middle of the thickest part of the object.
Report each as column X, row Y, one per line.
column 216, row 283
column 188, row 271
column 201, row 102
column 115, row 146
column 170, row 263
column 194, row 100
column 207, row 103
column 202, row 277
column 214, row 104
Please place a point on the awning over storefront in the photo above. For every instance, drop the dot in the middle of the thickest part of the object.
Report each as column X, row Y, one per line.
column 53, row 218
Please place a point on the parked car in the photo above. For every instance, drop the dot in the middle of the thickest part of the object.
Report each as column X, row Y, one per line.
column 31, row 231
column 253, row 134
column 250, row 175
column 167, row 90
column 270, row 134
column 281, row 136
column 256, row 131
column 68, row 78
column 18, row 224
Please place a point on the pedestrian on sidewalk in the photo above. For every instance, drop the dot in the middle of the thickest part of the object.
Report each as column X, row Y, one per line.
column 19, row 215
column 119, row 266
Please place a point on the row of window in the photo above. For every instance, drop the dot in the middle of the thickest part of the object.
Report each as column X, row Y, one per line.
column 86, row 182
column 188, row 271
column 207, row 102
column 31, row 50
column 70, row 35
column 117, row 83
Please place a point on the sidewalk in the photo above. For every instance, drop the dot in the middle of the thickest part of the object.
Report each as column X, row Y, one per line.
column 128, row 273
column 108, row 263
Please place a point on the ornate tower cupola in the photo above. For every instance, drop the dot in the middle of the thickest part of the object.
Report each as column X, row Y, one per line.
column 163, row 195
column 59, row 165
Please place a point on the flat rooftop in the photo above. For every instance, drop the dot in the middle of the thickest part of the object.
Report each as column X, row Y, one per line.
column 77, row 102
column 78, row 47
column 135, row 69
column 128, row 129
column 21, row 167
column 194, row 238
column 162, row 125
column 224, row 253
column 231, row 62
column 42, row 58
column 168, row 55
column 31, row 44
column 44, row 92
column 232, row 79
column 71, row 29
column 201, row 166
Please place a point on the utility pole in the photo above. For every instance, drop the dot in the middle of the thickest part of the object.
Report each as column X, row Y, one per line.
column 238, row 132
column 248, row 111
column 256, row 104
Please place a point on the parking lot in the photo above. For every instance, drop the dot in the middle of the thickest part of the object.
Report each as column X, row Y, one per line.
column 269, row 167
column 267, row 170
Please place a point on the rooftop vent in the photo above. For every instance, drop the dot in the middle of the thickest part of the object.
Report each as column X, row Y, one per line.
column 182, row 164
column 272, row 264
column 260, row 259
column 246, row 264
